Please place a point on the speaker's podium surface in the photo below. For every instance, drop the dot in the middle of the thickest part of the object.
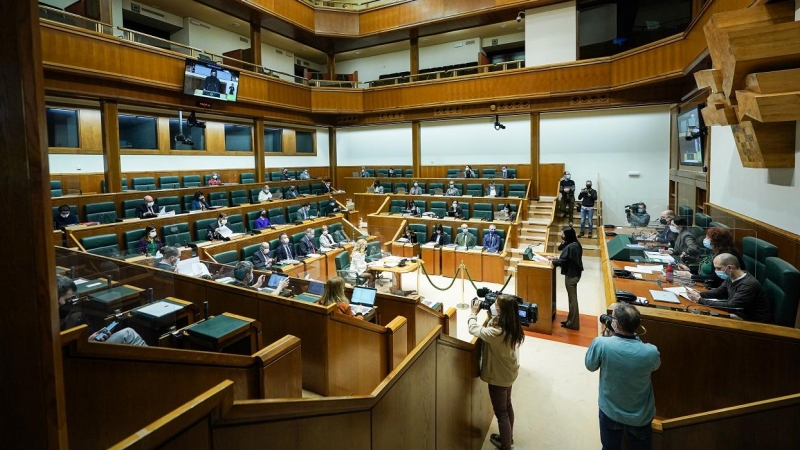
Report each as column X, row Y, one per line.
column 536, row 283
column 225, row 332
column 621, row 249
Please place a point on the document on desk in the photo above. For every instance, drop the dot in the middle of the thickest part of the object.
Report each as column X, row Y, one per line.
column 643, row 269
column 661, row 257
column 225, row 231
column 159, row 309
column 679, row 291
column 80, row 281
column 664, row 296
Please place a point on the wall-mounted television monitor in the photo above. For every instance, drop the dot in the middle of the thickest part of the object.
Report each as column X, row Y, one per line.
column 689, row 125
column 208, row 80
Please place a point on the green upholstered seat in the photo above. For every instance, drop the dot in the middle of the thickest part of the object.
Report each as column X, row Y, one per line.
column 176, row 235
column 277, row 215
column 371, row 173
column 439, row 208
column 488, row 173
column 316, row 188
column 104, row 189
column 718, row 225
column 342, row 260
column 171, row 203
column 383, row 173
column 422, row 231
column 465, row 213
column 129, row 207
column 216, row 328
column 201, row 229
column 254, row 195
column 292, row 174
column 452, row 173
column 408, row 173
column 702, row 220
column 229, row 257
column 55, row 188
column 102, row 244
column 401, row 184
column 475, row 189
column 206, row 178
column 72, row 208
column 235, row 223
column 239, row 197
column 782, row 285
column 251, row 219
column 144, row 184
column 687, row 213
column 373, row 251
column 698, row 232
column 249, row 250
column 754, row 254
column 291, row 212
column 132, row 239
column 516, row 190
column 191, row 181
column 187, row 202
column 104, row 212
column 512, row 172
column 297, row 237
column 482, row 211
column 303, row 188
column 275, row 176
column 433, row 186
column 396, row 206
column 169, row 182
column 421, row 204
column 218, row 199
column 247, row 178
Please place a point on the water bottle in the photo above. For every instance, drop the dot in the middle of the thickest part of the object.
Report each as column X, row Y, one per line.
column 669, row 274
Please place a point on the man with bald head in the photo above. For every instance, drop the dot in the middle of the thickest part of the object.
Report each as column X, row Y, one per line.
column 147, row 209
column 738, row 290
column 666, row 235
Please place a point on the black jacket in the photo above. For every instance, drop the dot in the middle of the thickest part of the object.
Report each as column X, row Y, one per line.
column 306, row 247
column 61, row 222
column 570, row 260
column 442, row 239
column 143, row 212
column 281, row 252
column 260, row 260
column 211, row 231
column 588, row 197
column 568, row 196
column 332, row 209
column 744, row 293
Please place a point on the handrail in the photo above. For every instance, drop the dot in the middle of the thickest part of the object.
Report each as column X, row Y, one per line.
column 345, row 5
column 725, row 413
column 99, row 26
column 408, row 77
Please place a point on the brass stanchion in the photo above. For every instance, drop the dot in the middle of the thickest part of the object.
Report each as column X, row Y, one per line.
column 463, row 304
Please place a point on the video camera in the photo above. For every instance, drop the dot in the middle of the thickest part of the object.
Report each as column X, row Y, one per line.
column 527, row 313
column 633, row 207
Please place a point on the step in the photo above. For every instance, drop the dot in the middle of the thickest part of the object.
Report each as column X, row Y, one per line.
column 534, row 230
column 538, row 221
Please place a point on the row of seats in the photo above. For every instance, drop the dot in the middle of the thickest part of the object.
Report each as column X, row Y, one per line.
column 398, row 173
column 439, row 208
column 482, row 173
column 473, row 189
column 423, row 232
column 451, row 173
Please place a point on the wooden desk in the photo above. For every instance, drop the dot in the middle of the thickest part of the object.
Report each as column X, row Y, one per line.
column 405, row 249
column 118, row 297
column 432, row 256
column 236, row 340
column 473, row 260
column 314, row 267
column 494, row 267
column 152, row 328
column 397, row 281
column 449, row 263
column 536, row 283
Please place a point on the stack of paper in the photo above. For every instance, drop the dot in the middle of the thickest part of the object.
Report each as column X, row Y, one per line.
column 664, row 296
column 679, row 291
column 661, row 257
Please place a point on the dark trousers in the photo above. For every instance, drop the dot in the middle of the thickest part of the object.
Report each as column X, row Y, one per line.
column 501, row 403
column 611, row 434
column 573, row 319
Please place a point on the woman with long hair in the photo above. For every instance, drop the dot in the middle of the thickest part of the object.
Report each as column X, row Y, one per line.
column 334, row 295
column 571, row 263
column 149, row 244
column 358, row 262
column 501, row 338
column 199, row 202
column 718, row 240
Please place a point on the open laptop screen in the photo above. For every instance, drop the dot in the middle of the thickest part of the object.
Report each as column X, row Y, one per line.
column 315, row 287
column 364, row 296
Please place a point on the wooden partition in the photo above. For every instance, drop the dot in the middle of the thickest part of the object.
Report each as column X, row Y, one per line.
column 136, row 385
column 355, row 186
column 421, row 319
column 549, row 175
column 433, row 399
column 343, row 172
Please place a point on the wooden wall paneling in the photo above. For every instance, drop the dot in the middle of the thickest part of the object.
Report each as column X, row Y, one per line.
column 391, row 306
column 336, row 23
column 112, row 166
column 332, row 158
column 34, row 406
column 299, row 13
column 282, row 376
column 416, row 147
column 549, row 175
column 533, row 191
column 344, row 101
column 91, row 133
column 453, row 397
column 289, row 141
column 164, row 141
column 358, row 356
column 426, row 321
column 215, row 137
column 258, row 150
column 145, row 65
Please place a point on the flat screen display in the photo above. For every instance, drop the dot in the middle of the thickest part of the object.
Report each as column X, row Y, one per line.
column 691, row 151
column 363, row 296
column 275, row 280
column 208, row 80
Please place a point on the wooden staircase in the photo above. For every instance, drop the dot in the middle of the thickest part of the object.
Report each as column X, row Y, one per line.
column 590, row 244
column 533, row 231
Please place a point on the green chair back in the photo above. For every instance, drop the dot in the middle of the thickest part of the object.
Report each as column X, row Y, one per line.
column 103, row 212
column 687, row 213
column 144, row 184
column 176, row 235
column 235, row 223
column 239, row 197
column 482, row 211
column 169, row 182
column 129, row 207
column 782, row 286
column 231, row 257
column 171, row 203
column 754, row 254
column 247, row 178
column 191, row 181
column 218, row 199
column 132, row 238
column 103, row 244
column 201, row 229
column 277, row 215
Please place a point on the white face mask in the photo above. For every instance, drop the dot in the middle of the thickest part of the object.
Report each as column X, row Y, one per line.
column 265, row 250
column 325, row 232
column 215, row 177
column 493, row 310
column 464, row 230
column 673, row 228
column 152, row 234
column 285, row 241
column 150, row 204
column 455, row 205
column 223, row 221
column 65, row 215
column 416, row 185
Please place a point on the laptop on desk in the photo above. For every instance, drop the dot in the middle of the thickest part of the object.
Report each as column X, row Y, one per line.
column 363, row 300
column 313, row 293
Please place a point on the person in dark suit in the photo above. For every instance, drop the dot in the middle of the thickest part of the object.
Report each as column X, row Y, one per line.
column 244, row 277
column 285, row 250
column 364, row 173
column 304, row 213
column 493, row 190
column 211, row 83
column 504, row 173
column 491, row 240
column 685, row 246
column 64, row 218
column 170, row 259
column 410, row 234
column 326, row 188
column 390, row 173
column 261, row 258
column 439, row 237
column 213, row 227
column 332, row 207
column 149, row 244
column 147, row 209
column 469, row 173
column 291, row 193
column 307, row 246
column 456, row 209
column 285, row 175
column 413, row 208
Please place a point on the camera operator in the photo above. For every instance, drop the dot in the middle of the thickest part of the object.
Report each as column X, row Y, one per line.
column 499, row 361
column 637, row 215
column 627, row 404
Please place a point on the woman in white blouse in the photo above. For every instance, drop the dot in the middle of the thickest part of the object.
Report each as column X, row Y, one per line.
column 358, row 262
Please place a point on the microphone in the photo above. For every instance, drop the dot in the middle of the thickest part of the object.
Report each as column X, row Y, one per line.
column 108, row 281
column 149, row 295
column 72, row 272
column 205, row 310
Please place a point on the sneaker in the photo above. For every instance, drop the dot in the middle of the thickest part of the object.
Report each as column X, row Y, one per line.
column 494, row 438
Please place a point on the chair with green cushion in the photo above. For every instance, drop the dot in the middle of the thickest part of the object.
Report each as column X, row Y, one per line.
column 273, row 246
column 421, row 185
column 421, row 204
column 439, row 208
column 292, row 174
column 687, row 213
column 387, row 186
column 702, row 220
column 275, row 176
column 102, row 244
column 475, row 189
column 170, row 182
column 401, row 184
column 201, row 229
column 171, row 203
column 457, row 185
column 291, row 212
column 371, row 173
column 277, row 215
column 373, row 251
column 275, row 190
column 176, row 235
column 422, row 231
column 191, row 181
column 488, row 173
column 516, row 190
column 187, row 202
column 206, row 178
column 433, row 186
column 231, row 257
column 144, row 184
column 132, row 239
column 718, row 225
column 396, row 206
column 452, row 173
column 322, row 207
column 235, row 223
column 482, row 211
column 499, row 232
column 342, row 262
column 247, row 178
column 782, row 286
column 254, row 195
column 512, row 173
column 218, row 199
column 55, row 188
column 104, row 212
column 313, row 211
column 383, row 173
column 316, row 188
column 129, row 208
column 408, row 173
column 239, row 197
column 297, row 237
column 474, row 232
column 697, row 232
column 754, row 254
column 249, row 251
column 465, row 214
column 104, row 190
column 251, row 219
column 304, row 189
column 449, row 230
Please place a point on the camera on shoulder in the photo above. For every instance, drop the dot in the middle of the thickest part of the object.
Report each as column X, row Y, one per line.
column 527, row 313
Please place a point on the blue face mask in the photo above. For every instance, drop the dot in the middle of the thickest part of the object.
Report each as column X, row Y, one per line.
column 721, row 274
column 640, row 210
column 707, row 243
column 491, row 231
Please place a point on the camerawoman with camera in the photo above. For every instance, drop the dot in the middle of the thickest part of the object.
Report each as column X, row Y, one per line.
column 626, row 401
column 501, row 338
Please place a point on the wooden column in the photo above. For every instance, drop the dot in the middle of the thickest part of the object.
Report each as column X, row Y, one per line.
column 258, row 150
column 32, row 399
column 112, row 168
column 535, row 155
column 414, row 53
column 416, row 148
column 99, row 10
column 255, row 43
column 332, row 157
column 331, row 66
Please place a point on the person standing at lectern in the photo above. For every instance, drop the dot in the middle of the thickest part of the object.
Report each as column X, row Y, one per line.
column 571, row 263
column 211, row 83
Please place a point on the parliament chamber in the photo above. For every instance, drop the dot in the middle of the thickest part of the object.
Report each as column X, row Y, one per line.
column 193, row 172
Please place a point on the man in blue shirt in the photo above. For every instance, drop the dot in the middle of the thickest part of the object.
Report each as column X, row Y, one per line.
column 626, row 392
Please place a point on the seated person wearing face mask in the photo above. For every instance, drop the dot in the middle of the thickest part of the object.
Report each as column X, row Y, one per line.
column 71, row 319
column 718, row 241
column 213, row 227
column 264, row 194
column 262, row 221
column 390, row 173
column 413, row 209
column 261, row 259
column 512, row 215
column 214, row 180
column 738, row 290
column 304, row 213
column 304, row 175
column 493, row 190
column 170, row 259
column 285, row 250
column 439, row 237
column 326, row 241
column 415, row 189
column 307, row 246
column 455, row 208
column 666, row 235
column 364, row 173
column 285, row 175
column 326, row 188
column 637, row 215
column 149, row 244
column 332, row 207
column 452, row 191
column 147, row 209
column 492, row 241
column 199, row 202
column 291, row 193
column 244, row 276
column 469, row 173
column 685, row 246
column 410, row 234
column 465, row 238
column 64, row 218
column 377, row 187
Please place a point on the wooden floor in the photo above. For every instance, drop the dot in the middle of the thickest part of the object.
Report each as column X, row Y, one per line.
column 582, row 337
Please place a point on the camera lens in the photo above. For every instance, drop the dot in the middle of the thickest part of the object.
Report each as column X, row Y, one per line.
column 606, row 320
